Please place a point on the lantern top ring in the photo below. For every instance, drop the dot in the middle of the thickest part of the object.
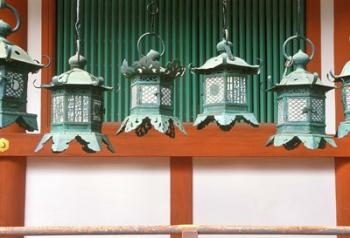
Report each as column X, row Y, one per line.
column 307, row 40
column 4, row 4
column 149, row 34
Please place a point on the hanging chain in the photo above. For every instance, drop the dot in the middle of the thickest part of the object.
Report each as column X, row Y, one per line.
column 78, row 28
column 224, row 14
column 153, row 11
column 299, row 18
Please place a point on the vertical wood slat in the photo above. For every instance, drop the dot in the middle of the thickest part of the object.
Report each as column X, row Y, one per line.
column 191, row 30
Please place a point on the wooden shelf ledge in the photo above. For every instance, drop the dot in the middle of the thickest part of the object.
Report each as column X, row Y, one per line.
column 242, row 141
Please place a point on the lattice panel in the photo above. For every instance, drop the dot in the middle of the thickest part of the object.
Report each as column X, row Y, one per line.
column 134, row 96
column 154, row 79
column 96, row 110
column 78, row 108
column 15, row 85
column 236, row 90
column 347, row 97
column 280, row 112
column 317, row 110
column 166, row 96
column 214, row 90
column 149, row 94
column 296, row 109
column 58, row 109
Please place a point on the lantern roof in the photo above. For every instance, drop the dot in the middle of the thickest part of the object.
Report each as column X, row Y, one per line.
column 12, row 53
column 77, row 76
column 300, row 76
column 344, row 73
column 150, row 65
column 226, row 61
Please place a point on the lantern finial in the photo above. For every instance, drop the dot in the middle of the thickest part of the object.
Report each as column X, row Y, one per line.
column 77, row 61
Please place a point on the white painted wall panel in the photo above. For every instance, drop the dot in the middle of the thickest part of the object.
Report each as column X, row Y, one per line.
column 34, row 50
column 97, row 192
column 264, row 192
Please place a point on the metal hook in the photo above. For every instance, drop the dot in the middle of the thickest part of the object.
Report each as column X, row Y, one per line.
column 4, row 4
column 36, row 86
column 49, row 61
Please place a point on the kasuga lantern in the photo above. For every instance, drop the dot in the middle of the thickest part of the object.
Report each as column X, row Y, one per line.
column 225, row 89
column 344, row 79
column 152, row 94
column 77, row 109
column 301, row 104
column 15, row 64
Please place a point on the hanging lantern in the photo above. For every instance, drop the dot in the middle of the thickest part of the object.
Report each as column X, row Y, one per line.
column 225, row 88
column 344, row 79
column 301, row 104
column 15, row 64
column 77, row 107
column 152, row 89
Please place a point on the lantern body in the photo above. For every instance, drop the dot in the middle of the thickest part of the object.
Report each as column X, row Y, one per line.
column 151, row 94
column 15, row 65
column 344, row 80
column 77, row 109
column 152, row 104
column 301, row 108
column 225, row 89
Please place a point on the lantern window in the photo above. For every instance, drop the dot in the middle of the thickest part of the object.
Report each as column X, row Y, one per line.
column 236, row 90
column 347, row 97
column 149, row 94
column 134, row 90
column 317, row 110
column 15, row 85
column 280, row 111
column 296, row 110
column 58, row 109
column 78, row 108
column 166, row 96
column 214, row 90
column 96, row 112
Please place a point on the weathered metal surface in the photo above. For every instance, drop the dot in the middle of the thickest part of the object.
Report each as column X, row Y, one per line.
column 161, row 230
column 301, row 104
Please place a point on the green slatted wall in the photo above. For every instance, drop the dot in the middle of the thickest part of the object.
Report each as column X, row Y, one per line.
column 191, row 30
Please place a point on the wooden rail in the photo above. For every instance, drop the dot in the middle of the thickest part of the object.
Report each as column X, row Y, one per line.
column 185, row 230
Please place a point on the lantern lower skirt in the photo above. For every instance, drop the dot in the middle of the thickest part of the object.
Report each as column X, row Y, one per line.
column 225, row 121
column 141, row 124
column 92, row 142
column 25, row 120
column 344, row 129
column 310, row 141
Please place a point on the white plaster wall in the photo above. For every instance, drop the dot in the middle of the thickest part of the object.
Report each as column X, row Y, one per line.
column 34, row 50
column 327, row 59
column 97, row 192
column 264, row 192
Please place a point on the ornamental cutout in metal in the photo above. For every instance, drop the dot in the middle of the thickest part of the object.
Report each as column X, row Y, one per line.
column 15, row 65
column 301, row 104
column 152, row 93
column 225, row 89
column 344, row 79
column 77, row 109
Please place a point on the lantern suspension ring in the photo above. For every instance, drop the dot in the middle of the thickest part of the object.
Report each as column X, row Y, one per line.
column 3, row 5
column 150, row 34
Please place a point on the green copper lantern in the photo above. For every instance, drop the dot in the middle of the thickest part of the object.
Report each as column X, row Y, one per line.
column 301, row 104
column 152, row 87
column 344, row 79
column 77, row 109
column 152, row 94
column 225, row 86
column 15, row 64
column 225, row 89
column 77, row 106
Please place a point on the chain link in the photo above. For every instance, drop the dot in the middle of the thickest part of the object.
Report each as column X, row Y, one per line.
column 78, row 28
column 153, row 11
column 224, row 16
